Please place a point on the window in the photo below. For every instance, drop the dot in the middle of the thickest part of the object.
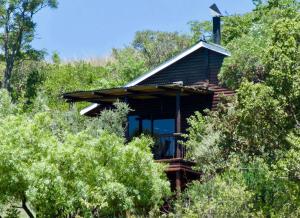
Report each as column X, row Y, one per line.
column 162, row 131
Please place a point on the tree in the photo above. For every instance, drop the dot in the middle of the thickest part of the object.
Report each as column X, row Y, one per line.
column 128, row 63
column 18, row 29
column 283, row 64
column 259, row 126
column 157, row 47
column 66, row 77
column 55, row 164
column 248, row 37
column 201, row 30
column 225, row 195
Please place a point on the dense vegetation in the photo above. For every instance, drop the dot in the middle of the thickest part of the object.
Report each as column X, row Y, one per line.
column 249, row 148
column 55, row 163
column 59, row 164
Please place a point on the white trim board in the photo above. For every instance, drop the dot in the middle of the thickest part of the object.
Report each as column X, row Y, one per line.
column 199, row 45
column 88, row 109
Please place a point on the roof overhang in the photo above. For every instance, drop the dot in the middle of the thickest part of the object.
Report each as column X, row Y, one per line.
column 135, row 92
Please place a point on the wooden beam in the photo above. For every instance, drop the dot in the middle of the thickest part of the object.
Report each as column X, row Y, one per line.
column 185, row 90
column 133, row 94
column 103, row 94
column 133, row 91
column 136, row 93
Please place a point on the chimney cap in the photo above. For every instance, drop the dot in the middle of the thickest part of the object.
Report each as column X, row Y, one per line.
column 215, row 11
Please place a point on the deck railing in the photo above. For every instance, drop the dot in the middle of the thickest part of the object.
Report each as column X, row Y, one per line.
column 165, row 146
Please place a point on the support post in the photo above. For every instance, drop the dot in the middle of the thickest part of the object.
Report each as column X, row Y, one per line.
column 140, row 126
column 178, row 145
column 178, row 125
column 127, row 122
column 178, row 182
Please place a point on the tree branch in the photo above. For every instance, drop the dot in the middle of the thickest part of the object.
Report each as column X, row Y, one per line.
column 40, row 8
column 18, row 207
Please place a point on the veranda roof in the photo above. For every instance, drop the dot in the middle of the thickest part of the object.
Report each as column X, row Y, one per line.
column 134, row 92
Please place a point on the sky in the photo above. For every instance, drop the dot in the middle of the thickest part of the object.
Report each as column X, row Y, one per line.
column 80, row 29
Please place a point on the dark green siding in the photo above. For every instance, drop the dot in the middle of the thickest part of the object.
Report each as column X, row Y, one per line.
column 201, row 65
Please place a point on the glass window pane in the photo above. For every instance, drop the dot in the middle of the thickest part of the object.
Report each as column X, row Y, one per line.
column 166, row 146
column 133, row 126
column 165, row 126
column 146, row 124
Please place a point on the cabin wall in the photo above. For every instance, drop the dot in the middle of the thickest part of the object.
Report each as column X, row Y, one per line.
column 201, row 65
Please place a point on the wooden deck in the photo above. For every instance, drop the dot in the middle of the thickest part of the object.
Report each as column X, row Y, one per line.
column 180, row 172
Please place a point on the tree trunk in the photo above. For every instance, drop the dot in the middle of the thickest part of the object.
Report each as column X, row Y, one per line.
column 26, row 209
column 6, row 82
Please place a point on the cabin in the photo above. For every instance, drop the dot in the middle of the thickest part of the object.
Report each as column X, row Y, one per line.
column 162, row 99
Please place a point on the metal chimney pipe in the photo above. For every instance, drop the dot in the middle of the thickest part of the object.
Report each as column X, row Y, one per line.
column 216, row 23
column 217, row 30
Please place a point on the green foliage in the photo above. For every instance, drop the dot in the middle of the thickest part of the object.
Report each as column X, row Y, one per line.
column 156, row 47
column 202, row 145
column 248, row 37
column 61, row 164
column 267, row 131
column 283, row 62
column 246, row 189
column 127, row 65
column 236, row 26
column 246, row 61
column 225, row 195
column 62, row 78
column 113, row 121
column 259, row 127
column 26, row 79
column 148, row 49
column 6, row 107
column 18, row 32
column 56, row 59
column 200, row 30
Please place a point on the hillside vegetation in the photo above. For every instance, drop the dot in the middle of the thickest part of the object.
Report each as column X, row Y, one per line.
column 56, row 163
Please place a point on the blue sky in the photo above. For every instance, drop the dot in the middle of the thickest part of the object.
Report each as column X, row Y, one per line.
column 91, row 28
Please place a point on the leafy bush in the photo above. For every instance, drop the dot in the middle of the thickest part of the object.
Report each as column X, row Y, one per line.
column 58, row 164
